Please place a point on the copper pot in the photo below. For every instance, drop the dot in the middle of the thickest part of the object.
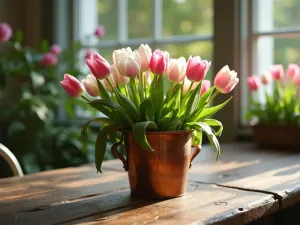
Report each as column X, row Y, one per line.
column 162, row 173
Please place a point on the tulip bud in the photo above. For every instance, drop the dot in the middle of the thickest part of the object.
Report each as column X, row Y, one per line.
column 49, row 59
column 145, row 53
column 205, row 85
column 129, row 64
column 98, row 66
column 72, row 86
column 159, row 62
column 119, row 79
column 5, row 32
column 197, row 68
column 56, row 49
column 99, row 32
column 225, row 80
column 293, row 70
column 253, row 82
column 91, row 85
column 106, row 84
column 277, row 72
column 176, row 69
column 186, row 85
column 266, row 77
column 118, row 52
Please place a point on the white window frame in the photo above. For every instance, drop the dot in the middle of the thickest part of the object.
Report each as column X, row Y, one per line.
column 257, row 33
column 86, row 16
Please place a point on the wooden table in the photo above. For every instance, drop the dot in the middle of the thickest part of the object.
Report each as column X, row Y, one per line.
column 245, row 185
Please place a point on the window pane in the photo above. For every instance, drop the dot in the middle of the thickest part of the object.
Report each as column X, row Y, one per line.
column 140, row 19
column 284, row 14
column 182, row 17
column 203, row 49
column 107, row 16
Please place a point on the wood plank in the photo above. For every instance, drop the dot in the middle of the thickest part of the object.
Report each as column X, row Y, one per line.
column 243, row 166
column 38, row 191
column 202, row 203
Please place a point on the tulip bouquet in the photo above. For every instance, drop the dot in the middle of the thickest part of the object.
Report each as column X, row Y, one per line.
column 280, row 101
column 131, row 94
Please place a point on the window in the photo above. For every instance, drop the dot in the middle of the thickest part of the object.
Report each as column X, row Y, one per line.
column 182, row 27
column 273, row 37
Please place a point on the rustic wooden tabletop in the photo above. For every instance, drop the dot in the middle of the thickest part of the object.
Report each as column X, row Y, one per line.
column 245, row 185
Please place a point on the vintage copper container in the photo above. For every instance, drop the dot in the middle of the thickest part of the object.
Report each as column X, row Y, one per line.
column 162, row 173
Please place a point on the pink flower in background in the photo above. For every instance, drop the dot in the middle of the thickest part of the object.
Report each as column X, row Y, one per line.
column 91, row 85
column 293, row 70
column 277, row 72
column 266, row 77
column 48, row 59
column 197, row 68
column 225, row 80
column 56, row 49
column 72, row 86
column 186, row 85
column 253, row 82
column 5, row 32
column 296, row 80
column 120, row 80
column 204, row 86
column 88, row 53
column 98, row 66
column 107, row 86
column 100, row 30
column 159, row 62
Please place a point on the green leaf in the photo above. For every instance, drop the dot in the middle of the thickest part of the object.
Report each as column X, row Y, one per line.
column 44, row 46
column 214, row 123
column 14, row 128
column 172, row 125
column 147, row 111
column 115, row 106
column 139, row 133
column 173, row 104
column 197, row 138
column 165, row 119
column 103, row 92
column 205, row 97
column 101, row 143
column 192, row 101
column 206, row 112
column 99, row 119
column 19, row 36
column 157, row 96
column 210, row 135
column 128, row 106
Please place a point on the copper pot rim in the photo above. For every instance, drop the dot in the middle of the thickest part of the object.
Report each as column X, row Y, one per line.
column 162, row 132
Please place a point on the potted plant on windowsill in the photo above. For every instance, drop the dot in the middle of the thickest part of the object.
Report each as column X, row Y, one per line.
column 275, row 113
column 158, row 127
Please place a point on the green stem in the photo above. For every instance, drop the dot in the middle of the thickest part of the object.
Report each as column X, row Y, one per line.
column 190, row 87
column 181, row 98
column 142, row 86
column 213, row 96
column 110, row 84
column 145, row 85
column 135, row 91
column 126, row 90
column 85, row 98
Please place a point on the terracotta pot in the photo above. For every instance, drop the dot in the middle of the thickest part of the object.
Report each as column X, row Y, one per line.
column 277, row 136
column 162, row 173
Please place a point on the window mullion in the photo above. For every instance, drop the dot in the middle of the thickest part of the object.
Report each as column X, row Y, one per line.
column 122, row 21
column 157, row 20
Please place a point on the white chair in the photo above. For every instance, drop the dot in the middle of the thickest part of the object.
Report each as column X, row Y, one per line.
column 12, row 161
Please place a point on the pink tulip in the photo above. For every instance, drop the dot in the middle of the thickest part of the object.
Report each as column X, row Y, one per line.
column 204, row 86
column 253, row 82
column 129, row 64
column 100, row 30
column 118, row 78
column 56, row 49
column 277, row 72
column 296, row 80
column 225, row 80
column 72, row 86
column 5, row 32
column 293, row 70
column 159, row 62
column 176, row 69
column 145, row 53
column 98, row 66
column 49, row 59
column 197, row 68
column 266, row 77
column 88, row 53
column 91, row 85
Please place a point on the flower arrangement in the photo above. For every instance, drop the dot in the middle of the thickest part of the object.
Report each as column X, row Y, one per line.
column 275, row 96
column 132, row 95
